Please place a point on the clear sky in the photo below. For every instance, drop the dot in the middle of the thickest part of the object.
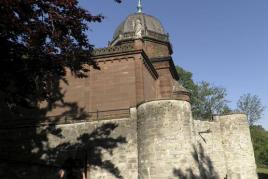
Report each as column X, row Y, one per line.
column 224, row 42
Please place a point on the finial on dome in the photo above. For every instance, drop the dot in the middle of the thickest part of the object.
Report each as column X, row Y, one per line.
column 139, row 7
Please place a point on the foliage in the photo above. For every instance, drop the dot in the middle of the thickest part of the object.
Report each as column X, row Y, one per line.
column 39, row 40
column 226, row 110
column 206, row 99
column 186, row 79
column 262, row 170
column 187, row 82
column 252, row 106
column 260, row 144
column 210, row 100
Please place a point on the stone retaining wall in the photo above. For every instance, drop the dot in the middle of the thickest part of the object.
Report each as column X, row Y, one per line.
column 159, row 140
column 111, row 146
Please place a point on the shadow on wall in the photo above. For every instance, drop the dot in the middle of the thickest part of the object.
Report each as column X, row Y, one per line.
column 205, row 165
column 89, row 149
column 25, row 151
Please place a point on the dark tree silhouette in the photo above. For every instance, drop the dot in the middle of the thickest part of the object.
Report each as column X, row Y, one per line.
column 39, row 40
column 87, row 151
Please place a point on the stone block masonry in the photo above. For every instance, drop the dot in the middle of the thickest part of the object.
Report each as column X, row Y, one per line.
column 130, row 118
column 165, row 139
column 160, row 140
column 111, row 147
column 237, row 145
column 226, row 141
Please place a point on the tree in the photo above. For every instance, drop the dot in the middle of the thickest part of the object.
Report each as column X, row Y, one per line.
column 187, row 82
column 206, row 99
column 252, row 106
column 210, row 100
column 186, row 79
column 39, row 40
column 226, row 110
column 260, row 143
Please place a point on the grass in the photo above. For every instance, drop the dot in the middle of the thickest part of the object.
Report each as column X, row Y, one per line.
column 262, row 170
column 262, row 173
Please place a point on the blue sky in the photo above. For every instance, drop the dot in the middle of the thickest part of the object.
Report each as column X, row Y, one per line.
column 224, row 42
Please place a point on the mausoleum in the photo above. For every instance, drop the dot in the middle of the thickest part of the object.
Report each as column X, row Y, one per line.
column 136, row 90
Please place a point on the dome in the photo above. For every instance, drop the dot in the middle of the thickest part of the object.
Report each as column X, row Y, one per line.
column 140, row 25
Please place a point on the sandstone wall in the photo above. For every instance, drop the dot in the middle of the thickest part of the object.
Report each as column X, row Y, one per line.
column 124, row 156
column 165, row 79
column 113, row 86
column 210, row 149
column 156, row 49
column 225, row 144
column 158, row 141
column 165, row 139
column 107, row 142
column 150, row 85
column 238, row 149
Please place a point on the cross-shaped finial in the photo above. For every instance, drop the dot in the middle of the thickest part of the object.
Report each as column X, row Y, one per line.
column 139, row 7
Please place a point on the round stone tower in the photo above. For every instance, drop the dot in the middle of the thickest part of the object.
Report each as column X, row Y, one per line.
column 166, row 140
column 164, row 125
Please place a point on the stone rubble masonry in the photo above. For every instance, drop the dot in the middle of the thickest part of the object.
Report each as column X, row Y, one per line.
column 161, row 137
column 165, row 139
column 238, row 149
column 208, row 135
column 227, row 141
column 124, row 156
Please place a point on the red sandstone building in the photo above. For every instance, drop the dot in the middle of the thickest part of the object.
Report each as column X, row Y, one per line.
column 135, row 67
column 161, row 139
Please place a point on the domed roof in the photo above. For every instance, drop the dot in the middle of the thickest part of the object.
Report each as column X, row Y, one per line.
column 149, row 26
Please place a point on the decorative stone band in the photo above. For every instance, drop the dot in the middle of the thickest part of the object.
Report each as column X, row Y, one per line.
column 157, row 36
column 181, row 95
column 172, row 65
column 144, row 34
column 113, row 49
column 163, row 99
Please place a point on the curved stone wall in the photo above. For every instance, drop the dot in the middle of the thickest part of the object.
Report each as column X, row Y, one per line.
column 165, row 140
column 238, row 149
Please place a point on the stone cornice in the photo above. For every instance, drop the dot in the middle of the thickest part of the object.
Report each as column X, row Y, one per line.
column 112, row 50
column 148, row 64
column 171, row 63
column 126, row 49
column 161, row 59
column 164, row 38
